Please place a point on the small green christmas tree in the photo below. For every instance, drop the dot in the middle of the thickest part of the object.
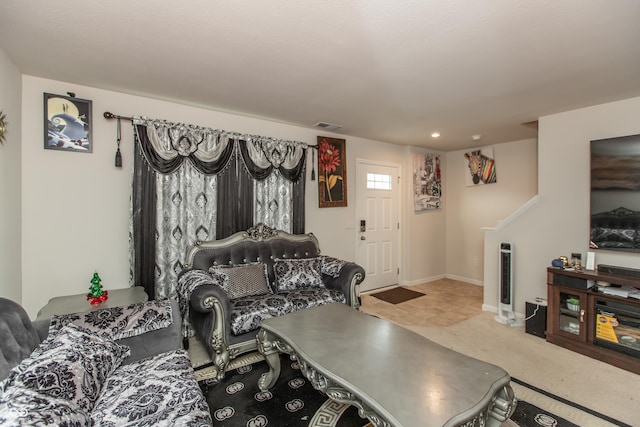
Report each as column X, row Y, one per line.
column 96, row 295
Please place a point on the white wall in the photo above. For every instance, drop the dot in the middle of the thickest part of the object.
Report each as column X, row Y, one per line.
column 76, row 205
column 469, row 209
column 10, row 182
column 558, row 223
column 424, row 255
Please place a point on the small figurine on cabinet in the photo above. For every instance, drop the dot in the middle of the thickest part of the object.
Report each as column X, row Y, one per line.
column 576, row 261
column 96, row 294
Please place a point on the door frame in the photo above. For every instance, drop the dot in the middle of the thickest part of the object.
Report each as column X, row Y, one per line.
column 360, row 162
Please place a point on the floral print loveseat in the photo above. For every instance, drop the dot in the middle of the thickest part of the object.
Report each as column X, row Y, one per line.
column 229, row 286
column 119, row 366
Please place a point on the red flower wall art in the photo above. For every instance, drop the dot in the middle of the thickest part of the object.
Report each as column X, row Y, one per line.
column 332, row 172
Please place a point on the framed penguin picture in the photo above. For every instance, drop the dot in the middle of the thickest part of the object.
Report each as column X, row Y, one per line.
column 67, row 123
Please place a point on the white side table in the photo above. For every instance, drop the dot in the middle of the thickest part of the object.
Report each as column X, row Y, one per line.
column 79, row 304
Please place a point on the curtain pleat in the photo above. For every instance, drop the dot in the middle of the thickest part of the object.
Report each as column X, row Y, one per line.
column 261, row 157
column 258, row 169
column 235, row 200
column 298, row 224
column 143, row 222
column 273, row 202
column 186, row 212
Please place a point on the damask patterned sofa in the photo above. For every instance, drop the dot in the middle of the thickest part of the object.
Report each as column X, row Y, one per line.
column 119, row 366
column 229, row 286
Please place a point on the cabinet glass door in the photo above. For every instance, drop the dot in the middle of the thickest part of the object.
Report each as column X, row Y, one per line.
column 571, row 313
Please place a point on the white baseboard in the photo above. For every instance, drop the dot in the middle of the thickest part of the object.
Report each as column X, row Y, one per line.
column 421, row 281
column 489, row 308
column 464, row 279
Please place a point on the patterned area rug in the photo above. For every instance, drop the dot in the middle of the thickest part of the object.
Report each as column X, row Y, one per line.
column 527, row 414
column 558, row 412
column 397, row 295
column 293, row 401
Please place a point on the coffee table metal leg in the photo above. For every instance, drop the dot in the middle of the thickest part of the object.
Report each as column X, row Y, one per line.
column 269, row 349
column 502, row 407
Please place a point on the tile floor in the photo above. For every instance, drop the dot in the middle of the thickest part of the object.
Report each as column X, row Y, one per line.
column 446, row 302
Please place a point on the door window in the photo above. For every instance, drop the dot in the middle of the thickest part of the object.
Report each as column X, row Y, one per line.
column 378, row 181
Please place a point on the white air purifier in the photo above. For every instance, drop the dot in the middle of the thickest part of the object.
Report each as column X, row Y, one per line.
column 505, row 285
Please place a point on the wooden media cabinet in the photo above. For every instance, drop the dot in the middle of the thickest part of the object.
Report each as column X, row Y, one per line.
column 583, row 319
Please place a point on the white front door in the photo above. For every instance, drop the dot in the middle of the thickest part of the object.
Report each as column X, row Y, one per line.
column 377, row 224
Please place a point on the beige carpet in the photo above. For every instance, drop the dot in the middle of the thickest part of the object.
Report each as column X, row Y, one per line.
column 465, row 328
column 588, row 382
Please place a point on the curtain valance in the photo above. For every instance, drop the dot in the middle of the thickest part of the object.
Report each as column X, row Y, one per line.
column 210, row 150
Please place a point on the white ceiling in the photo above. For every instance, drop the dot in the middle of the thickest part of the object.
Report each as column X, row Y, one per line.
column 393, row 71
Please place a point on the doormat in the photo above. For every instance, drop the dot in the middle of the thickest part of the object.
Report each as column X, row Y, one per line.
column 397, row 295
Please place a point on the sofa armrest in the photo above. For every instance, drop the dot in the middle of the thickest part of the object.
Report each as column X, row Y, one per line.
column 202, row 294
column 350, row 276
column 210, row 317
column 42, row 328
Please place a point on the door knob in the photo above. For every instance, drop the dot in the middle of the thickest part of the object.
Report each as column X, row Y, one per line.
column 363, row 238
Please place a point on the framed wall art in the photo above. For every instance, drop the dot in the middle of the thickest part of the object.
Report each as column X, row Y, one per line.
column 481, row 167
column 427, row 182
column 332, row 172
column 67, row 123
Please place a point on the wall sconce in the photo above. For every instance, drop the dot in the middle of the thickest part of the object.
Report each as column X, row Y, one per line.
column 3, row 126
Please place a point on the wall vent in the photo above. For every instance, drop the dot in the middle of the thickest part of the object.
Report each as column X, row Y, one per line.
column 327, row 126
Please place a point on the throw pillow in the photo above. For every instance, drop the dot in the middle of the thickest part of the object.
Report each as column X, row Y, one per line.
column 157, row 391
column 242, row 280
column 331, row 266
column 73, row 366
column 24, row 407
column 297, row 273
column 116, row 323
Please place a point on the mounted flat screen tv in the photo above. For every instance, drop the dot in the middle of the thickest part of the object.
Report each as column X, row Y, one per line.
column 615, row 194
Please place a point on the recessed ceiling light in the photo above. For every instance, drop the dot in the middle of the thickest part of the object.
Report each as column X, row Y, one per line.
column 435, row 135
column 476, row 137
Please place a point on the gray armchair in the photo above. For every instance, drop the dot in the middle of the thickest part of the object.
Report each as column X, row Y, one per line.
column 217, row 319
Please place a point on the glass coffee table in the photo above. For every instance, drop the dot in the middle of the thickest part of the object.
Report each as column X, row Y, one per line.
column 394, row 377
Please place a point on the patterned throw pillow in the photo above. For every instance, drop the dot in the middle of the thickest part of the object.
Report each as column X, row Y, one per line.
column 72, row 366
column 25, row 407
column 116, row 323
column 294, row 274
column 331, row 266
column 157, row 391
column 242, row 280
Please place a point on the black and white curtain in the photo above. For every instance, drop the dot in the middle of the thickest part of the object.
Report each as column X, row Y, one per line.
column 192, row 183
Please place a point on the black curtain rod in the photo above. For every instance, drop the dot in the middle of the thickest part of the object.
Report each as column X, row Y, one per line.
column 108, row 115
